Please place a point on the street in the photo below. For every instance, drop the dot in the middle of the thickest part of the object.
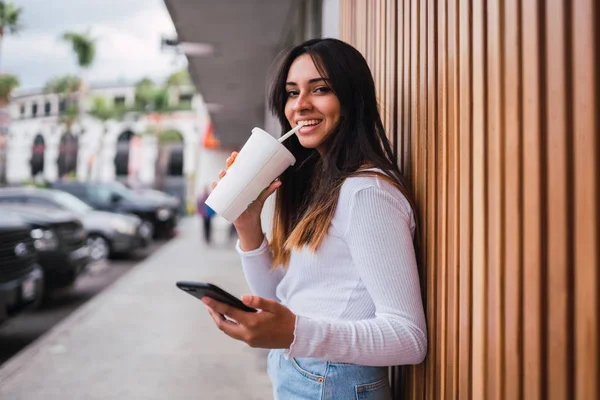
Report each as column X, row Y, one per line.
column 143, row 338
column 20, row 331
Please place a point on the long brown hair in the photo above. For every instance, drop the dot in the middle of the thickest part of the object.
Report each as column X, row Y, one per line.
column 306, row 201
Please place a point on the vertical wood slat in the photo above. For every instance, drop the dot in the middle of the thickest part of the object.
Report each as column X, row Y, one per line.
column 556, row 164
column 390, row 82
column 586, row 203
column 452, row 133
column 513, row 293
column 478, row 196
column 432, row 193
column 494, row 123
column 406, row 92
column 400, row 67
column 381, row 45
column 494, row 339
column 465, row 211
column 422, row 140
column 410, row 148
column 532, row 235
column 441, row 233
column 414, row 90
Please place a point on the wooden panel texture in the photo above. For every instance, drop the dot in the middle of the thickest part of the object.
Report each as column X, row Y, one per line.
column 493, row 108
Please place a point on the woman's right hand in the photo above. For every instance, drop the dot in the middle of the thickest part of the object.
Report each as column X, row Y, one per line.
column 248, row 225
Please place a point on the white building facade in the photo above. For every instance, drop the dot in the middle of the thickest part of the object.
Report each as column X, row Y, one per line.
column 36, row 130
column 39, row 148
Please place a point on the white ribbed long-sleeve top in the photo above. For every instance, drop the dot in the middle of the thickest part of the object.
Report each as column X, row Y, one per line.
column 357, row 298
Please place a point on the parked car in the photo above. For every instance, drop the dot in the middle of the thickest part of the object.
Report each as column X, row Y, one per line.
column 59, row 239
column 161, row 211
column 108, row 233
column 21, row 278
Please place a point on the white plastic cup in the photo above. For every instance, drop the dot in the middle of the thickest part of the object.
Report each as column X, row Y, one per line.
column 259, row 162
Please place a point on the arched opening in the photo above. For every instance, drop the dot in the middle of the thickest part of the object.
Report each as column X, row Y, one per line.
column 38, row 149
column 122, row 153
column 170, row 160
column 67, row 156
column 169, row 166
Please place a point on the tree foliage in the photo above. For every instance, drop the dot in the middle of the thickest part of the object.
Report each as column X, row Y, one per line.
column 84, row 47
column 66, row 84
column 7, row 84
column 169, row 136
column 103, row 110
column 179, row 78
column 151, row 98
column 10, row 18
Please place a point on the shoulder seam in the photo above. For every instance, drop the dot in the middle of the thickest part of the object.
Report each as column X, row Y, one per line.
column 377, row 188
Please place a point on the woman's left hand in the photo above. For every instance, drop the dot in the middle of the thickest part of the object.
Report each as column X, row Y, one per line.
column 271, row 328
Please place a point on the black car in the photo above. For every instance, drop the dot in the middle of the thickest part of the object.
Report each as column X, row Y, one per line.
column 161, row 211
column 108, row 233
column 59, row 239
column 21, row 278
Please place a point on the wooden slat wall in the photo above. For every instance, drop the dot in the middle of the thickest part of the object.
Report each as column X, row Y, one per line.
column 494, row 111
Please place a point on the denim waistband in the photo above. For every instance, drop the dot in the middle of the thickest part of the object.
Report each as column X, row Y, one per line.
column 309, row 378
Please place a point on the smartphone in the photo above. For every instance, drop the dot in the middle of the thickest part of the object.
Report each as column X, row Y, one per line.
column 201, row 289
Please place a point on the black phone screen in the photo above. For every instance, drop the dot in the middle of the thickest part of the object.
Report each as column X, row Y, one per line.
column 201, row 289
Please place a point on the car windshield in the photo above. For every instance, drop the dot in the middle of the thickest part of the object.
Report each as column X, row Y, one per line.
column 120, row 189
column 71, row 202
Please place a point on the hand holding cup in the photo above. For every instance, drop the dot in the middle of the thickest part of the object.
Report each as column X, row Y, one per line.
column 250, row 178
column 249, row 219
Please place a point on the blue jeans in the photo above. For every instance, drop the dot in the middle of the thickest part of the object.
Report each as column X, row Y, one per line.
column 309, row 378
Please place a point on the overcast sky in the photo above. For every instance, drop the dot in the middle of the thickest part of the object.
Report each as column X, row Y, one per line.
column 128, row 46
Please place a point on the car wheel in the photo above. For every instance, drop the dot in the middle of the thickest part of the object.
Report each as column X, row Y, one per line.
column 99, row 248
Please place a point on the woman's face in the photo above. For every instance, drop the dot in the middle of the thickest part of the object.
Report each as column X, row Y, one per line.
column 310, row 100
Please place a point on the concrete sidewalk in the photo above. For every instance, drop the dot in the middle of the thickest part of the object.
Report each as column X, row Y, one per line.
column 143, row 338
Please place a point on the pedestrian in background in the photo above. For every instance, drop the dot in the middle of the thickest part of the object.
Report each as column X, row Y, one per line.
column 206, row 213
column 337, row 285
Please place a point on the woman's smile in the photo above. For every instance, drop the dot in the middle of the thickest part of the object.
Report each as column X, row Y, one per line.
column 309, row 125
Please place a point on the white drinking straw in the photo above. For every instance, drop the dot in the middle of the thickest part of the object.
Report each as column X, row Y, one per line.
column 291, row 132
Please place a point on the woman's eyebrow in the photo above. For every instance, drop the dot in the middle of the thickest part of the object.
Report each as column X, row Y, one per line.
column 310, row 81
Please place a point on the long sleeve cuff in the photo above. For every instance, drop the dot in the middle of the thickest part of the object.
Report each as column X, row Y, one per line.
column 257, row 265
column 263, row 248
column 375, row 342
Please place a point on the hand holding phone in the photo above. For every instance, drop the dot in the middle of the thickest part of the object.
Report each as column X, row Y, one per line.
column 201, row 289
column 272, row 328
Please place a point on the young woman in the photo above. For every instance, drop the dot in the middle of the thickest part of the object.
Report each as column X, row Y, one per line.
column 337, row 285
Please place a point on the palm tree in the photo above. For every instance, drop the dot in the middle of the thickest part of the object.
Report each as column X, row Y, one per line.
column 160, row 100
column 84, row 47
column 145, row 92
column 10, row 19
column 151, row 99
column 104, row 111
column 69, row 117
column 66, row 87
column 7, row 84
